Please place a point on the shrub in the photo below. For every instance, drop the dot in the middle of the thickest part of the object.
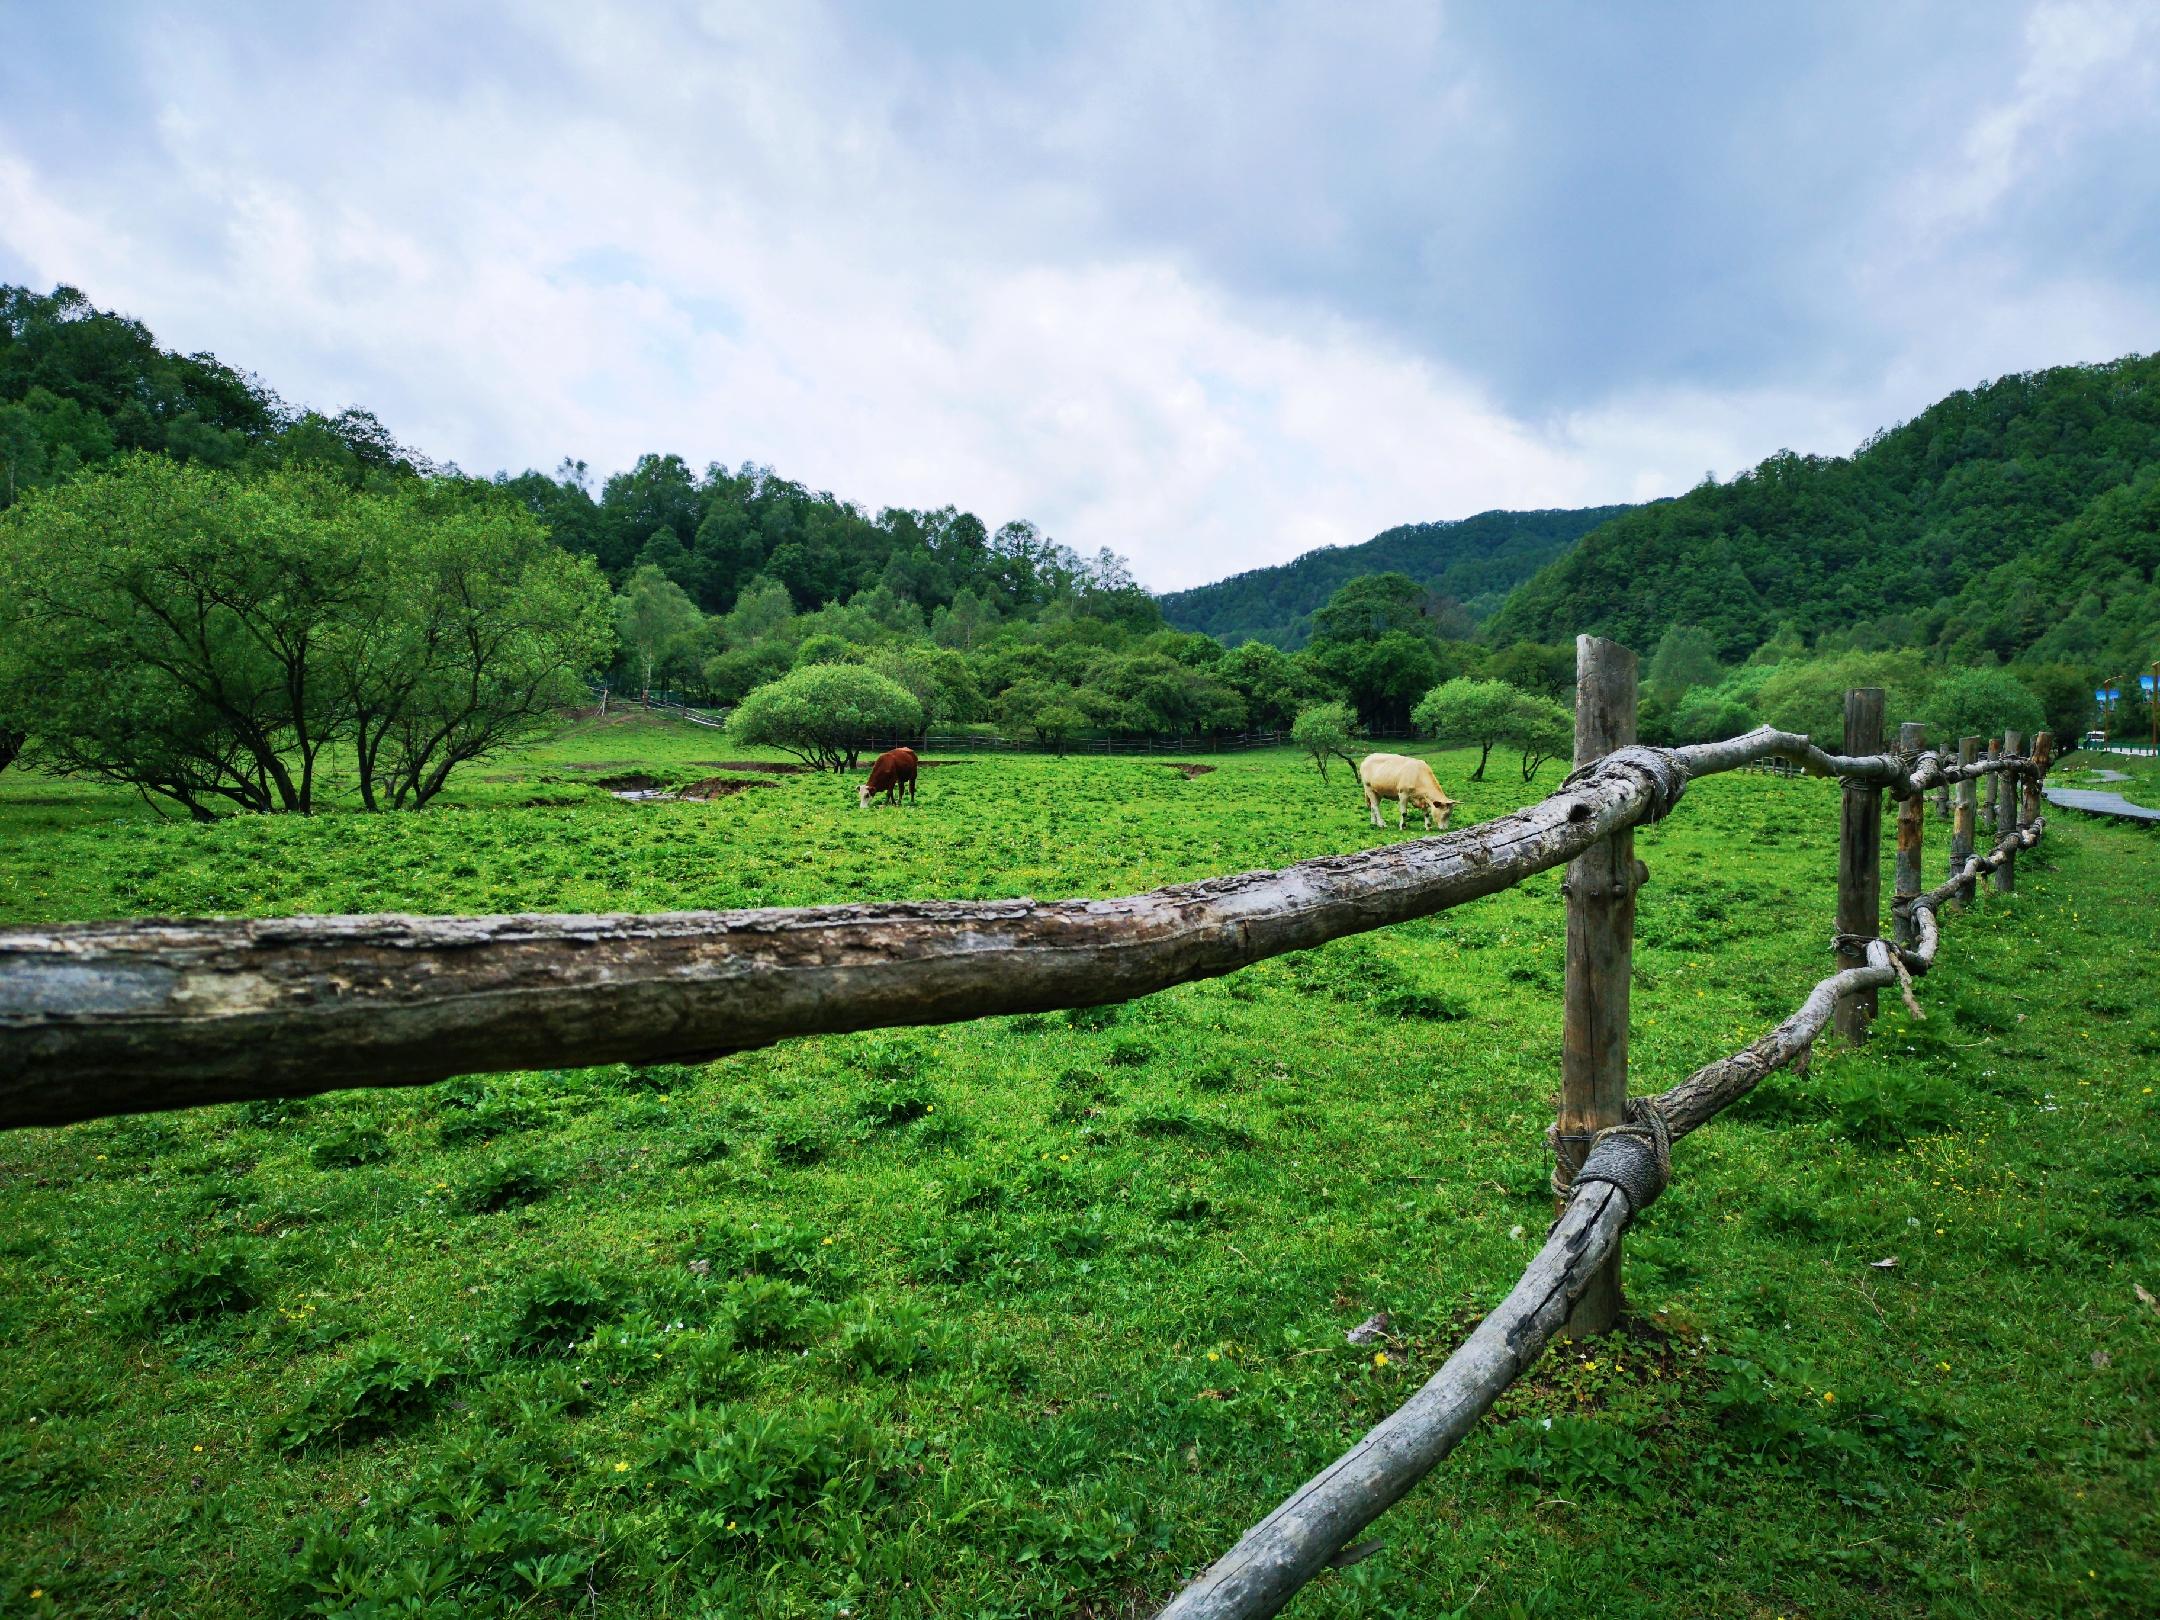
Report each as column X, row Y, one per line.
column 505, row 1184
column 1324, row 731
column 377, row 1389
column 555, row 1311
column 823, row 714
column 349, row 1148
column 208, row 1283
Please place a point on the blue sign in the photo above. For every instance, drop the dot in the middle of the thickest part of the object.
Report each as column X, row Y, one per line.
column 2107, row 694
column 2146, row 681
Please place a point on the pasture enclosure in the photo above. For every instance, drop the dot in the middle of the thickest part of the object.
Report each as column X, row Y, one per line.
column 658, row 990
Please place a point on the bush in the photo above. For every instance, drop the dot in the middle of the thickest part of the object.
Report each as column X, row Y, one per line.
column 378, row 1389
column 506, row 1184
column 209, row 1283
column 1981, row 703
column 556, row 1311
column 1324, row 731
column 824, row 714
column 350, row 1148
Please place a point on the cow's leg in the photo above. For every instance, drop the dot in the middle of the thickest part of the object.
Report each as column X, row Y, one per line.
column 1372, row 803
column 1401, row 799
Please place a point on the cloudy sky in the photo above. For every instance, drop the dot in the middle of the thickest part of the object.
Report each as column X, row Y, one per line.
column 1207, row 284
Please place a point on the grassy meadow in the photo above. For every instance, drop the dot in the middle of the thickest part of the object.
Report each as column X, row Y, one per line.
column 1033, row 1316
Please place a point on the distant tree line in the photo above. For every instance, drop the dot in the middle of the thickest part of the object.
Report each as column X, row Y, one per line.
column 208, row 594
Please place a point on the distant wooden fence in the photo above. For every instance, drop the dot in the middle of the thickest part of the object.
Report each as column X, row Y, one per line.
column 104, row 1018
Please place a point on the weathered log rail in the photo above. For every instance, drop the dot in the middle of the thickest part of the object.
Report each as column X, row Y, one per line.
column 107, row 1018
column 1300, row 1538
column 121, row 1017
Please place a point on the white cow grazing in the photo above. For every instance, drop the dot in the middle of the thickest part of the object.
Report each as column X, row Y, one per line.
column 1409, row 782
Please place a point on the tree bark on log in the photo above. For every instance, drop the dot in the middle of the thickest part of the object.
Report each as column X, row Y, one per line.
column 1598, row 963
column 1277, row 1556
column 1911, row 822
column 124, row 1017
column 1295, row 1542
column 1859, row 892
column 1964, row 828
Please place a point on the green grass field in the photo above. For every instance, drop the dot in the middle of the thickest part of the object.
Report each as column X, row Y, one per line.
column 1033, row 1316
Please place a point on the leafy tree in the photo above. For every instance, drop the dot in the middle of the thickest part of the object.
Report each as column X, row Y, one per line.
column 171, row 624
column 825, row 714
column 1367, row 608
column 2066, row 697
column 1056, row 721
column 1981, row 703
column 1274, row 685
column 937, row 677
column 474, row 631
column 827, row 649
column 1809, row 697
column 656, row 620
column 733, row 675
column 1479, row 713
column 762, row 612
column 1382, row 678
column 1542, row 729
column 1708, row 714
column 1324, row 731
column 1686, row 657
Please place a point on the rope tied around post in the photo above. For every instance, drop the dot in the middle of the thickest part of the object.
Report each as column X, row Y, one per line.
column 1636, row 1156
column 1660, row 768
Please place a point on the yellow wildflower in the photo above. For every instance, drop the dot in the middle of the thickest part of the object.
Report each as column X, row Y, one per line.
column 1379, row 1358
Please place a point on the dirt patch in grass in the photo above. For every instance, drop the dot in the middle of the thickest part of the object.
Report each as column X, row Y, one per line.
column 768, row 766
column 631, row 782
column 558, row 802
column 720, row 787
column 1190, row 771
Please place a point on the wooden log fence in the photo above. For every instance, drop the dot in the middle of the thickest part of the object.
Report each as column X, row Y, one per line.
column 105, row 1018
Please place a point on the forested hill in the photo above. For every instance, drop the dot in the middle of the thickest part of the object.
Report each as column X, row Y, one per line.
column 2023, row 515
column 1476, row 560
column 80, row 386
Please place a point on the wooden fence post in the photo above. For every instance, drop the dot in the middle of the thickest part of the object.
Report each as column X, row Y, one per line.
column 1911, row 817
column 2006, row 813
column 1968, row 809
column 2043, row 753
column 1600, row 890
column 1987, row 790
column 1859, row 903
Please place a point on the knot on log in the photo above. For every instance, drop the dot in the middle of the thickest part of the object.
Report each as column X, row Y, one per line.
column 1635, row 1157
column 1659, row 768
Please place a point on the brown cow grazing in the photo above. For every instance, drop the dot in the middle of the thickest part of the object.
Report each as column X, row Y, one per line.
column 893, row 772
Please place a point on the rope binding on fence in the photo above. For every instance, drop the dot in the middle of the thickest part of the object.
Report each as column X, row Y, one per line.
column 1636, row 1156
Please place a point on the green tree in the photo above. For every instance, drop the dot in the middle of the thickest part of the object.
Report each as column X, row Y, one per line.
column 1686, row 657
column 171, row 625
column 2066, row 697
column 656, row 620
column 1324, row 731
column 1479, row 713
column 474, row 629
column 1055, row 722
column 825, row 714
column 1981, row 703
column 1367, row 608
column 1708, row 714
column 1542, row 729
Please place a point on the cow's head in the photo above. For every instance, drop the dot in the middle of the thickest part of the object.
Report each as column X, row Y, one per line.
column 862, row 796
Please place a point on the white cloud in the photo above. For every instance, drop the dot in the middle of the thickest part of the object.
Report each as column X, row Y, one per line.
column 754, row 234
